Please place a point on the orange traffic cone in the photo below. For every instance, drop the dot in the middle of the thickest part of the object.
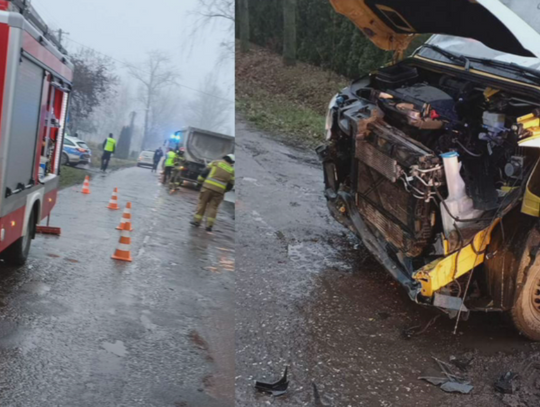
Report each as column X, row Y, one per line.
column 86, row 185
column 123, row 250
column 125, row 223
column 113, row 203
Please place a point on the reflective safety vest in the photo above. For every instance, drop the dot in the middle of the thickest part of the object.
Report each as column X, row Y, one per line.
column 110, row 145
column 221, row 174
column 171, row 155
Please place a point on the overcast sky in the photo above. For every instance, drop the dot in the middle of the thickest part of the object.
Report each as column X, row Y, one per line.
column 127, row 29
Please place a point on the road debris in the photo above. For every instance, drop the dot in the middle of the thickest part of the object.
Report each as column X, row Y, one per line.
column 317, row 402
column 276, row 389
column 416, row 330
column 462, row 363
column 449, row 382
column 507, row 383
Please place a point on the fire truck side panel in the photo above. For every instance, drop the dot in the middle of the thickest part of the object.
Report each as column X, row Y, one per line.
column 12, row 65
column 28, row 70
column 46, row 57
column 48, row 203
column 22, row 144
column 11, row 227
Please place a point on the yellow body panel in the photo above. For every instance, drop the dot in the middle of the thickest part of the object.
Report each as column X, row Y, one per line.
column 442, row 272
column 372, row 26
column 531, row 202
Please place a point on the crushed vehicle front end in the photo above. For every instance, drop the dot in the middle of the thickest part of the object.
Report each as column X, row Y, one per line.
column 433, row 163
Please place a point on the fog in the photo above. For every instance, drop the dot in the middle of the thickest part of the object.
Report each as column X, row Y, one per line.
column 126, row 30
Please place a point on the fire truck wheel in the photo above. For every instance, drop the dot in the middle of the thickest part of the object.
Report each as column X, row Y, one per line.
column 65, row 159
column 17, row 253
column 526, row 310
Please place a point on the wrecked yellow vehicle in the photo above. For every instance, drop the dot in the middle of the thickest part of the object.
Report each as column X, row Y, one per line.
column 433, row 161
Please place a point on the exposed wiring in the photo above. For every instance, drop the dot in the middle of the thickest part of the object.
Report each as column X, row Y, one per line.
column 466, row 149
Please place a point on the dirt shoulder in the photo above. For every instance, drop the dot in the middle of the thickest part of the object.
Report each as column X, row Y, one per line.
column 287, row 102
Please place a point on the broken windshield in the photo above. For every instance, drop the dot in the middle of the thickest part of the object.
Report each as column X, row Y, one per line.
column 474, row 49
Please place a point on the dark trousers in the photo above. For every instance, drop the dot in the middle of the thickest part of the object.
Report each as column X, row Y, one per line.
column 105, row 158
column 167, row 174
column 154, row 167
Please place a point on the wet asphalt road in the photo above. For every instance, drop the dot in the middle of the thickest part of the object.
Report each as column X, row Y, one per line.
column 79, row 329
column 309, row 297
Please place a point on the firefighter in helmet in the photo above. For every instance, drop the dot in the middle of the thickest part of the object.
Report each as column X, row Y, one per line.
column 168, row 164
column 179, row 162
column 216, row 180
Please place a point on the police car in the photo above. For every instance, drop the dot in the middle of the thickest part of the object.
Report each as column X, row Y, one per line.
column 75, row 152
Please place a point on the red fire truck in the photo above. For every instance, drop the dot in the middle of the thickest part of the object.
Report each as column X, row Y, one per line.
column 35, row 82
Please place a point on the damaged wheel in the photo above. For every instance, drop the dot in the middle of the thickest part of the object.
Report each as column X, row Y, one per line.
column 526, row 310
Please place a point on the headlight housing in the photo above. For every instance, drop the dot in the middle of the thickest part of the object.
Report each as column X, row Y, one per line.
column 330, row 117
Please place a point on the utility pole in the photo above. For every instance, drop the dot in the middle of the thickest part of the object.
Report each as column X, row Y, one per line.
column 61, row 34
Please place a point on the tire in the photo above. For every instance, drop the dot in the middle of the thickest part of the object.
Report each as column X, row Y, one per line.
column 64, row 160
column 17, row 253
column 526, row 310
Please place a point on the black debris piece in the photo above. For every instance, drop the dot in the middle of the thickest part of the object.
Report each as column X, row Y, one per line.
column 448, row 380
column 507, row 383
column 317, row 402
column 462, row 363
column 276, row 389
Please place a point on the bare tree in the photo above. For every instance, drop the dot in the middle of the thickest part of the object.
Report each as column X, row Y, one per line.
column 217, row 9
column 212, row 11
column 93, row 83
column 156, row 74
column 210, row 110
column 111, row 115
column 165, row 116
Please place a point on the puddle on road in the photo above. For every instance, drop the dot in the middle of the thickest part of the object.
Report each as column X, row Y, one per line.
column 116, row 348
column 36, row 287
column 251, row 180
column 312, row 254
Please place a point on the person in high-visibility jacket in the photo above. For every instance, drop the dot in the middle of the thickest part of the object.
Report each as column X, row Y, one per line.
column 169, row 164
column 216, row 180
column 109, row 147
column 179, row 162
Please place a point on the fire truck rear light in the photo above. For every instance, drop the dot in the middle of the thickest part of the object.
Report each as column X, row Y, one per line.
column 2, row 235
column 50, row 199
column 13, row 223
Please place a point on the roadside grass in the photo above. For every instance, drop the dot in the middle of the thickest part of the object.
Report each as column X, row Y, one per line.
column 114, row 163
column 70, row 176
column 283, row 118
column 287, row 102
